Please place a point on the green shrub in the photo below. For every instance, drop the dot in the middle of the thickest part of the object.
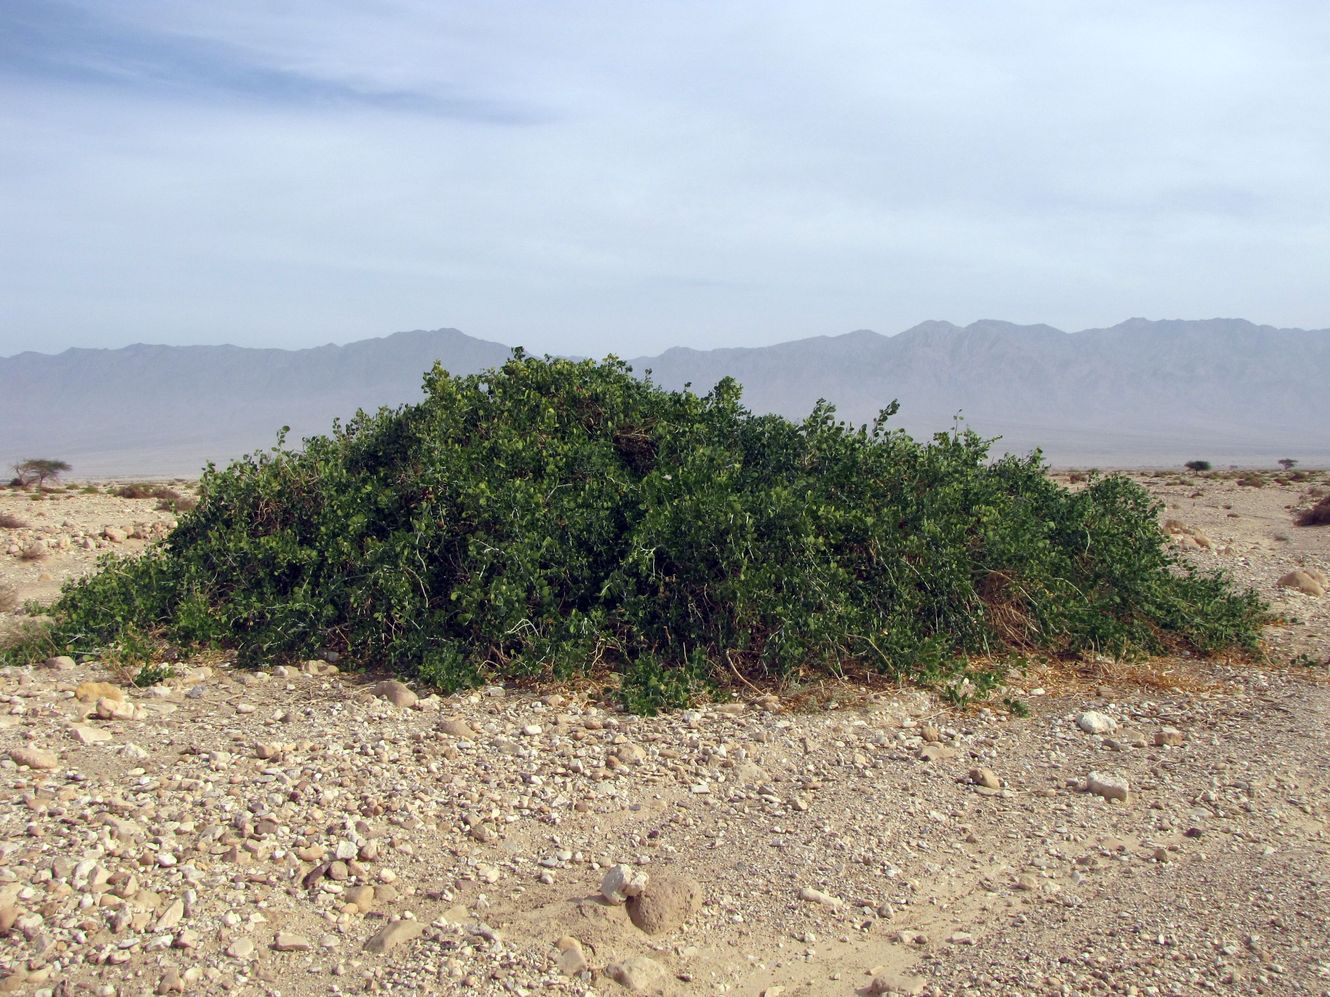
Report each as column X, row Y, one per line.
column 1198, row 465
column 550, row 519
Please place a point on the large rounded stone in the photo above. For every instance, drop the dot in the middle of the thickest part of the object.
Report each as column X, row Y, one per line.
column 669, row 899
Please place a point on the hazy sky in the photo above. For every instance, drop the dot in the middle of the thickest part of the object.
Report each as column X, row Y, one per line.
column 594, row 177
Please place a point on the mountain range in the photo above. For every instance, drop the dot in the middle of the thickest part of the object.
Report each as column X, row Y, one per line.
column 1139, row 393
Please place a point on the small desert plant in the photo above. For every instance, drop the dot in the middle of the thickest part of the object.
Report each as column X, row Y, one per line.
column 11, row 522
column 179, row 504
column 145, row 490
column 1251, row 481
column 1198, row 465
column 34, row 552
column 152, row 675
column 1317, row 515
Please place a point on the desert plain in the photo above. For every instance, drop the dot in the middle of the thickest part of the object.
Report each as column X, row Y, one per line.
column 1153, row 827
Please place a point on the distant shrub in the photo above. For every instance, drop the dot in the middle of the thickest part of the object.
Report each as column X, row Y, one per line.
column 145, row 490
column 11, row 522
column 1251, row 481
column 179, row 504
column 1317, row 515
column 1198, row 465
column 552, row 518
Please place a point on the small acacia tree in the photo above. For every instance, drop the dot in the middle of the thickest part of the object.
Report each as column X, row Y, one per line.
column 39, row 470
column 1288, row 463
column 1198, row 465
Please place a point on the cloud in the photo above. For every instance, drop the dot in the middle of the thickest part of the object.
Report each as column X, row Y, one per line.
column 85, row 45
column 586, row 179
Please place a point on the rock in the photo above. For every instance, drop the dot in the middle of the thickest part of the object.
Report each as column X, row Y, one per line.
column 1094, row 722
column 935, row 751
column 895, row 983
column 391, row 935
column 85, row 734
column 396, row 693
column 241, row 948
column 115, row 535
column 637, row 973
column 456, row 728
column 1126, row 740
column 34, row 758
column 1109, row 786
column 361, row 896
column 985, row 777
column 816, row 896
column 1168, row 737
column 630, row 754
column 90, row 692
column 670, row 898
column 621, row 882
column 115, row 709
column 60, row 663
column 170, row 983
column 170, row 917
column 1302, row 581
column 572, row 960
column 289, row 941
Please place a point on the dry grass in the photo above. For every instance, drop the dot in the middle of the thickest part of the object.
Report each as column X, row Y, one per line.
column 34, row 552
column 144, row 490
column 1075, row 677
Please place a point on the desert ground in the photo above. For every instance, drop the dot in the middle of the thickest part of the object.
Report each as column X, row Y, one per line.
column 311, row 830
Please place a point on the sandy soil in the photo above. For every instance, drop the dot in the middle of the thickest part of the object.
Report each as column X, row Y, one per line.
column 296, row 832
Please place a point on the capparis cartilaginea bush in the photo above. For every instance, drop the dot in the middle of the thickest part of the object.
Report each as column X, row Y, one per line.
column 552, row 518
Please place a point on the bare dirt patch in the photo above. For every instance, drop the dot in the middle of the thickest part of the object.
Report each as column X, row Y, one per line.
column 289, row 831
